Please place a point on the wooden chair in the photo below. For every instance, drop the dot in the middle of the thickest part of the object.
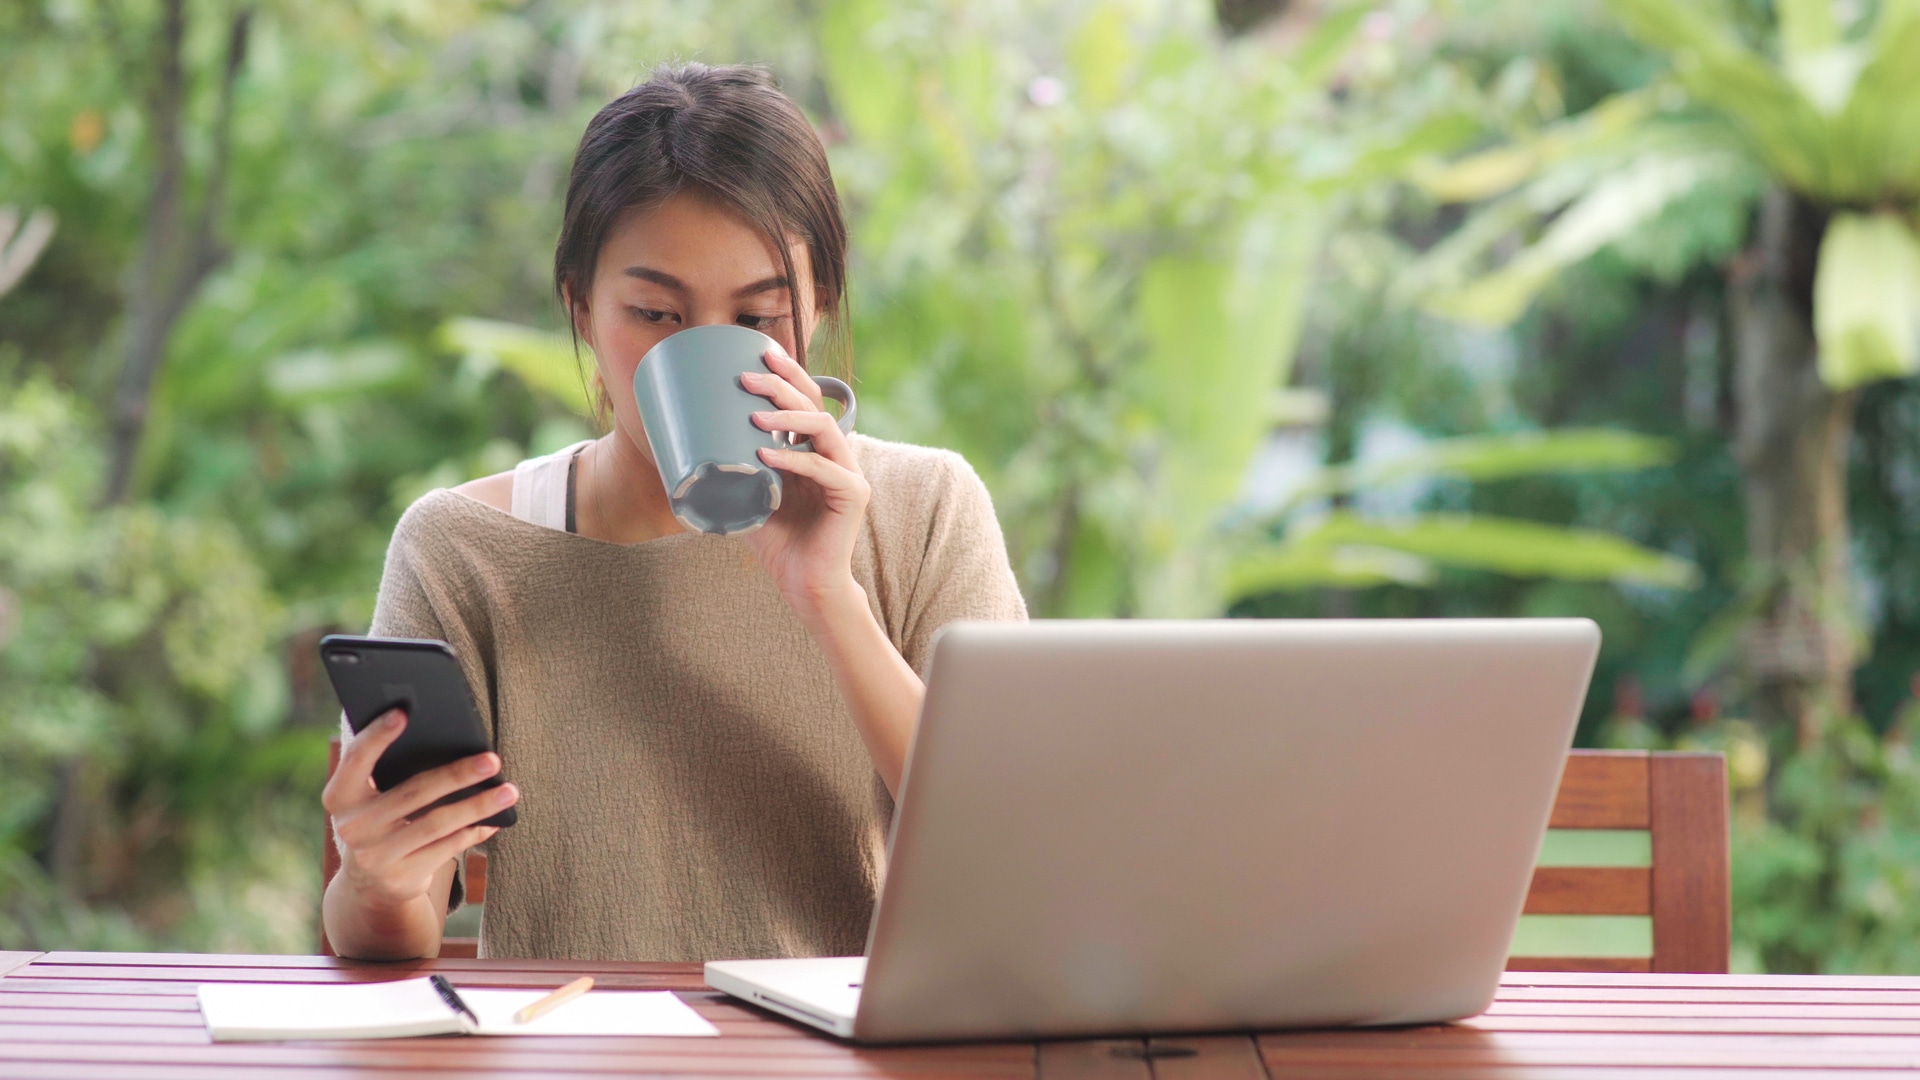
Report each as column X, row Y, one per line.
column 330, row 865
column 1672, row 808
column 1664, row 811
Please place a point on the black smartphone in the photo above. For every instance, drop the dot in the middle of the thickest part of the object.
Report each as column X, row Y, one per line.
column 371, row 675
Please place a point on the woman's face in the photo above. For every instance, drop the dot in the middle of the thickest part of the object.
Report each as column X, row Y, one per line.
column 691, row 261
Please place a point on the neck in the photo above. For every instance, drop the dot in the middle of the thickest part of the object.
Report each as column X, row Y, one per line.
column 619, row 498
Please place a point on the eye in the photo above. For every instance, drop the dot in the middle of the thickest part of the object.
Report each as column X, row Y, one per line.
column 654, row 316
column 762, row 323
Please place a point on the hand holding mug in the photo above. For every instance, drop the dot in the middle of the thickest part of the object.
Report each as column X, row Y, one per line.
column 807, row 547
column 694, row 401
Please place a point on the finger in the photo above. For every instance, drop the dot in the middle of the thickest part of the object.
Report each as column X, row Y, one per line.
column 828, row 439
column 425, row 788
column 788, row 368
column 443, row 821
column 844, row 488
column 429, row 858
column 782, row 393
column 351, row 784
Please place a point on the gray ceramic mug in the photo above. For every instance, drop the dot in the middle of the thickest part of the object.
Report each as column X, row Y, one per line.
column 699, row 422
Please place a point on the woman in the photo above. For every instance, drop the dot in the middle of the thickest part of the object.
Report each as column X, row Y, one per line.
column 703, row 734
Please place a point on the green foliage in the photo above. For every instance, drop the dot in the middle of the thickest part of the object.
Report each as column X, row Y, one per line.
column 1830, row 881
column 133, row 681
column 1346, row 550
column 1831, row 118
column 1089, row 287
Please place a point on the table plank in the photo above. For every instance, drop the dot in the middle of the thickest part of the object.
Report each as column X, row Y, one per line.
column 1659, row 980
column 478, row 1055
column 683, row 971
column 1729, row 995
column 1629, row 1025
column 1092, row 1059
column 1215, row 1057
column 1800, row 1010
column 12, row 960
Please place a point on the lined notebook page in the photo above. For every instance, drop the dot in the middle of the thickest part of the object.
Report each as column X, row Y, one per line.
column 237, row 1012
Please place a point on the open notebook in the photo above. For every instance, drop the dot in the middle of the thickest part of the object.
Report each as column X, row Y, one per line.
column 239, row 1012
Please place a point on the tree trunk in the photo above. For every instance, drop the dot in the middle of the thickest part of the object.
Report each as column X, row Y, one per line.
column 179, row 247
column 177, row 250
column 1237, row 17
column 1791, row 439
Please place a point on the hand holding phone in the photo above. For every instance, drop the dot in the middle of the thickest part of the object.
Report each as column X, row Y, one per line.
column 421, row 678
column 418, row 783
column 392, row 842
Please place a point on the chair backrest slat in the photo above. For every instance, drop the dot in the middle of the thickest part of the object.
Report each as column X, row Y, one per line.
column 1603, row 789
column 1692, row 888
column 1591, row 890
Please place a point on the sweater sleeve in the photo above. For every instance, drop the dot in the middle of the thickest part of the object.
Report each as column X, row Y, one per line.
column 403, row 608
column 963, row 572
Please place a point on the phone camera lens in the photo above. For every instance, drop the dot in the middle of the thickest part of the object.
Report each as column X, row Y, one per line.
column 344, row 657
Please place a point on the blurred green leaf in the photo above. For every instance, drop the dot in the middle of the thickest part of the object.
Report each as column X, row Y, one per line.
column 1315, row 565
column 1507, row 546
column 1327, row 43
column 1610, row 210
column 1098, row 54
column 339, row 373
column 1867, row 300
column 546, row 362
column 1501, row 169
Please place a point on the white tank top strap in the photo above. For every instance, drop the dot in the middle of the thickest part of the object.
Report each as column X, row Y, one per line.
column 540, row 488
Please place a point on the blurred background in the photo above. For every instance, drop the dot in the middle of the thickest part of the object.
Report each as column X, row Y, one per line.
column 1256, row 308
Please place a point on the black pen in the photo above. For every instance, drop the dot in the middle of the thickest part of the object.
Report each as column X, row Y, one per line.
column 452, row 997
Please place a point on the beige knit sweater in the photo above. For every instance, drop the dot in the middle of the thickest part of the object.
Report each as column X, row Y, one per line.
column 692, row 786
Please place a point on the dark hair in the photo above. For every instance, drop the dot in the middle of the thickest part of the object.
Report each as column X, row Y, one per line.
column 725, row 131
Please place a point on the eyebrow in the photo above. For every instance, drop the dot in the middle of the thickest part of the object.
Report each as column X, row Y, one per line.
column 661, row 277
column 658, row 277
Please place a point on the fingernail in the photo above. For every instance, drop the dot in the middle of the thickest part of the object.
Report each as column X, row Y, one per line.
column 505, row 794
column 394, row 718
column 486, row 766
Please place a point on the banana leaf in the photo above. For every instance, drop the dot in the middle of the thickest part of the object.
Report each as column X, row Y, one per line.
column 1866, row 300
column 1483, row 458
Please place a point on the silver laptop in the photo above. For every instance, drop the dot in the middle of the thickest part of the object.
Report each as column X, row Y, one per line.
column 1152, row 827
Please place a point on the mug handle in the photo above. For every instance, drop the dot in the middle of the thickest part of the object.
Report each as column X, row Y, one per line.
column 838, row 391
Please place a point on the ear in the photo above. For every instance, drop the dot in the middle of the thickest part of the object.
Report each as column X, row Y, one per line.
column 581, row 316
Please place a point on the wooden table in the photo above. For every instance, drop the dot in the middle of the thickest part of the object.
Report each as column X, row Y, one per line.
column 72, row 1015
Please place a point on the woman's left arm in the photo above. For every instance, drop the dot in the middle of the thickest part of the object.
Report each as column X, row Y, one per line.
column 807, row 548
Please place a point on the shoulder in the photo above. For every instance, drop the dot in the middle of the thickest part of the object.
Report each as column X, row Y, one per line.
column 925, row 499
column 902, row 473
column 442, row 519
column 495, row 491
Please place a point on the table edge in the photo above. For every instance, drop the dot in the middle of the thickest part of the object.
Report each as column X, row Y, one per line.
column 13, row 961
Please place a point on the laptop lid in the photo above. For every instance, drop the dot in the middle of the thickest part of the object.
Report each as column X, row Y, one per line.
column 1131, row 826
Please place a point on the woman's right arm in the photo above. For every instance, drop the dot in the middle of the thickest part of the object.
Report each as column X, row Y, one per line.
column 389, row 900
